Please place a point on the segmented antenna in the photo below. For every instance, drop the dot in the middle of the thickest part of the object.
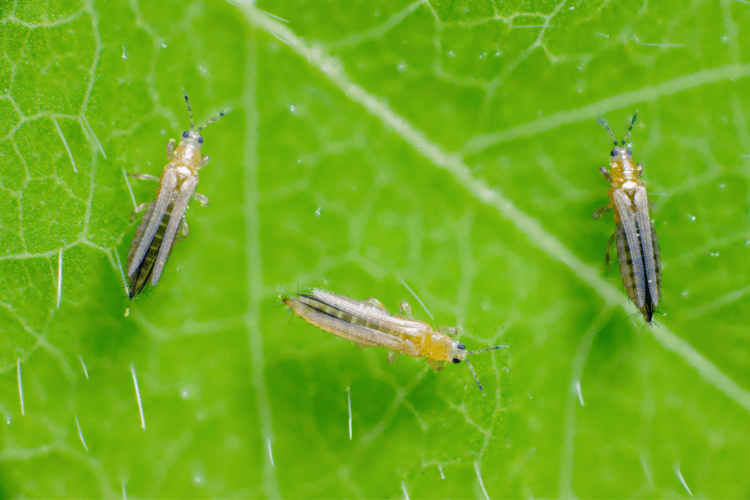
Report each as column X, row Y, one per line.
column 209, row 122
column 487, row 350
column 601, row 122
column 630, row 129
column 475, row 376
column 472, row 368
column 187, row 101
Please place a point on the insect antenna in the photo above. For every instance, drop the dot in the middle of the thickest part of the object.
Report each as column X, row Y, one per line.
column 472, row 368
column 630, row 129
column 487, row 350
column 604, row 124
column 190, row 111
column 475, row 376
column 209, row 122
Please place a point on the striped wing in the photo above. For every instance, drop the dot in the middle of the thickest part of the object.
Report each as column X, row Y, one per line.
column 371, row 313
column 334, row 318
column 178, row 212
column 167, row 187
column 139, row 233
column 627, row 219
column 349, row 304
column 645, row 229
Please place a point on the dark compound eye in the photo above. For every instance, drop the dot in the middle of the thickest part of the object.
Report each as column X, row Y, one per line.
column 200, row 139
column 186, row 134
column 456, row 361
column 613, row 153
column 460, row 346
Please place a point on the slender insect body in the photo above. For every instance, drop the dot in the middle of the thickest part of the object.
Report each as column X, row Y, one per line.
column 637, row 245
column 157, row 233
column 369, row 324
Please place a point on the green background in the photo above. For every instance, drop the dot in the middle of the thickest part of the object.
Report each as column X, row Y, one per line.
column 451, row 145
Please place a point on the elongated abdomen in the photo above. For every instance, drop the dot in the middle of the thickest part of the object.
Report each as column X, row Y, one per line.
column 657, row 262
column 337, row 315
column 145, row 268
column 306, row 302
column 626, row 257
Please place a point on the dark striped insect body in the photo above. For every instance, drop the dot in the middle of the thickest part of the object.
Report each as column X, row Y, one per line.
column 637, row 244
column 369, row 324
column 165, row 216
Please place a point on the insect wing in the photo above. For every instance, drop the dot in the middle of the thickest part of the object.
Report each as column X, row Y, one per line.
column 622, row 202
column 365, row 311
column 657, row 258
column 355, row 311
column 379, row 327
column 351, row 306
column 167, row 187
column 645, row 229
column 139, row 233
column 186, row 191
column 323, row 316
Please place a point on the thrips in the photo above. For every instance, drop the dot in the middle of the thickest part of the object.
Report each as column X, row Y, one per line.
column 369, row 324
column 637, row 244
column 157, row 233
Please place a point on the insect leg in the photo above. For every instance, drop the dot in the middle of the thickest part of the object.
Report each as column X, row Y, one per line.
column 405, row 310
column 640, row 168
column 437, row 365
column 202, row 199
column 183, row 231
column 601, row 211
column 451, row 331
column 375, row 302
column 145, row 177
column 393, row 356
column 204, row 162
column 170, row 149
column 605, row 173
column 607, row 250
column 139, row 208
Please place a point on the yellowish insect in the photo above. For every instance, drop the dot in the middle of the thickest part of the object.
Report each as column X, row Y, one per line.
column 369, row 324
column 157, row 233
column 637, row 244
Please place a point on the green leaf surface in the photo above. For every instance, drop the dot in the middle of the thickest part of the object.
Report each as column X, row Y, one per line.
column 451, row 146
